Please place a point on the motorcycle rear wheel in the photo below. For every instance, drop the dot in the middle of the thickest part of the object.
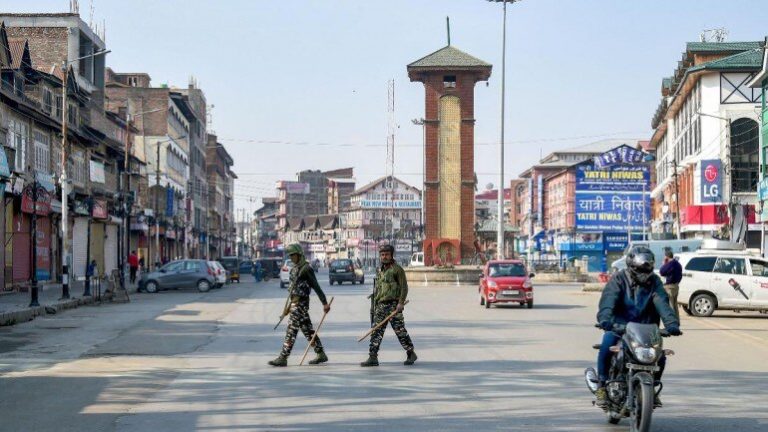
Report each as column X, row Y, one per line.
column 642, row 411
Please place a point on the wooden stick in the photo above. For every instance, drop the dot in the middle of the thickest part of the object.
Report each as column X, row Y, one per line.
column 314, row 336
column 382, row 323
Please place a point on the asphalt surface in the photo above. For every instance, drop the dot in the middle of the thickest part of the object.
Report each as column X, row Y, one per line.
column 186, row 361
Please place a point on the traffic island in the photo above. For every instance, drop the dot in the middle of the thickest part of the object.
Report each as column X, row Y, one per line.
column 470, row 275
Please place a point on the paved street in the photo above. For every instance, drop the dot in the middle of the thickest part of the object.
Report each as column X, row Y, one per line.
column 184, row 361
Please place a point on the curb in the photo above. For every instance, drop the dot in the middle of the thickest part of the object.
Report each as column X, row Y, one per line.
column 28, row 314
column 593, row 287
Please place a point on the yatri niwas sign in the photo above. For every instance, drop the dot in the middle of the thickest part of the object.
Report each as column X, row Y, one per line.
column 615, row 198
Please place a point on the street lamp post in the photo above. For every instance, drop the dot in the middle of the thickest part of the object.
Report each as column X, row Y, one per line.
column 64, row 180
column 500, row 228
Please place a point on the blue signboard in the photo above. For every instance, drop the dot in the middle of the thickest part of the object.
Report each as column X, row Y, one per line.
column 619, row 155
column 5, row 170
column 169, row 210
column 615, row 242
column 612, row 199
column 711, row 181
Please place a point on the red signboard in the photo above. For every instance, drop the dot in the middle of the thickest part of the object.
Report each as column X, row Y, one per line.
column 714, row 214
column 100, row 209
column 43, row 204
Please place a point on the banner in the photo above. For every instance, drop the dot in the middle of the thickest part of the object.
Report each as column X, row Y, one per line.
column 169, row 210
column 711, row 181
column 41, row 206
column 619, row 155
column 612, row 199
column 97, row 172
column 398, row 204
column 100, row 209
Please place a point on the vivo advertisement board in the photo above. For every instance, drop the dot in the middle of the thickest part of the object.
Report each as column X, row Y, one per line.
column 711, row 181
column 616, row 198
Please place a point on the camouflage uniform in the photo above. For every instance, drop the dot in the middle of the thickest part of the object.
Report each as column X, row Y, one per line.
column 302, row 280
column 391, row 289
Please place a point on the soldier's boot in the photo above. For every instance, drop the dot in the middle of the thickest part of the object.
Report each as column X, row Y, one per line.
column 411, row 358
column 280, row 361
column 373, row 360
column 321, row 358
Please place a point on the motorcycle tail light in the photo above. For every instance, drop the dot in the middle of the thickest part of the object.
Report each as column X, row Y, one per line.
column 615, row 349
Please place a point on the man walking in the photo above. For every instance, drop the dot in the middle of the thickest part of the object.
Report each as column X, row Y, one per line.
column 673, row 272
column 390, row 292
column 302, row 280
column 133, row 264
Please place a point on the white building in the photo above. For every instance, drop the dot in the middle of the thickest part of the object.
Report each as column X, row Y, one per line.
column 386, row 210
column 706, row 127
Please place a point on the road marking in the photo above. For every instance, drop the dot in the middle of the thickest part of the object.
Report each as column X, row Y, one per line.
column 739, row 334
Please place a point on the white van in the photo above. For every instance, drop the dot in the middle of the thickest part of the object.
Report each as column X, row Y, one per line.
column 417, row 260
column 658, row 247
column 730, row 279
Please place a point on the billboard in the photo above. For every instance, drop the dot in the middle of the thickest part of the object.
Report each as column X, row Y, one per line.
column 615, row 198
column 711, row 181
column 398, row 204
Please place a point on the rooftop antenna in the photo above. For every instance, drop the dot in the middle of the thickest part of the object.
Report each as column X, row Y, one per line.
column 448, row 28
column 717, row 35
column 390, row 168
column 74, row 7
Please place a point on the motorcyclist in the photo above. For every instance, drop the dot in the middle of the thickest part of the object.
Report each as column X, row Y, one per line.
column 635, row 294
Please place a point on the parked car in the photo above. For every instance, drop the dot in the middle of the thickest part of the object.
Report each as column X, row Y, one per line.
column 417, row 259
column 728, row 278
column 285, row 273
column 179, row 274
column 345, row 270
column 220, row 273
column 505, row 281
column 232, row 264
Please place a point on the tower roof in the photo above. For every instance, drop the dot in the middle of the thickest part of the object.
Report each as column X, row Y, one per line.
column 448, row 57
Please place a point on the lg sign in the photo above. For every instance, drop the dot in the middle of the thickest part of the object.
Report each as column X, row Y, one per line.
column 710, row 181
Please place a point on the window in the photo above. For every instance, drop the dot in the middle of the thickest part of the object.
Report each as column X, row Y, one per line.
column 759, row 268
column 744, row 155
column 18, row 132
column 47, row 100
column 506, row 270
column 174, row 266
column 42, row 155
column 702, row 264
column 59, row 106
column 449, row 81
column 730, row 265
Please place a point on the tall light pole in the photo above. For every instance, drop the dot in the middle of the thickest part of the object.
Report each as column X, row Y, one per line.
column 500, row 228
column 64, row 180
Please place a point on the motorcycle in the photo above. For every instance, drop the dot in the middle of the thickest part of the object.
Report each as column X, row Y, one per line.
column 630, row 388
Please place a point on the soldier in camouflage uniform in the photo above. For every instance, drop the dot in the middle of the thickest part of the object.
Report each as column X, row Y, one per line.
column 302, row 280
column 390, row 292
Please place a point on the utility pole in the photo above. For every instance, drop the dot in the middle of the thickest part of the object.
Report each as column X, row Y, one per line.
column 157, row 208
column 64, row 187
column 127, row 203
column 33, row 246
column 89, row 201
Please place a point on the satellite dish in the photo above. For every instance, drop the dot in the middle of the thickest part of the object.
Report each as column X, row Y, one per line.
column 489, row 186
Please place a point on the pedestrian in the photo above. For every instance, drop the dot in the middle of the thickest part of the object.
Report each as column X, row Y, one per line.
column 133, row 264
column 390, row 292
column 90, row 270
column 257, row 270
column 673, row 272
column 302, row 280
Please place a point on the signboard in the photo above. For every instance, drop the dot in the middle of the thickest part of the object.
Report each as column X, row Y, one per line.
column 43, row 249
column 762, row 189
column 711, row 181
column 615, row 242
column 100, row 209
column 540, row 193
column 319, row 247
column 612, row 199
column 618, row 156
column 97, row 172
column 398, row 204
column 5, row 169
column 41, row 206
column 169, row 210
column 294, row 187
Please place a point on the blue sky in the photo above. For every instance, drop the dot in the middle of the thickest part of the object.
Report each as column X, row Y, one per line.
column 315, row 72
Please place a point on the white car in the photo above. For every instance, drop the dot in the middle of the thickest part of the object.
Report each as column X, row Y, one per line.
column 219, row 273
column 723, row 279
column 285, row 273
column 417, row 260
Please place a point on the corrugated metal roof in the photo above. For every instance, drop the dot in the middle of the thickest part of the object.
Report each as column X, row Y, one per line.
column 752, row 59
column 712, row 47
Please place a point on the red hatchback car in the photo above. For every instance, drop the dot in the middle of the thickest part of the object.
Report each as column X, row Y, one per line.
column 506, row 281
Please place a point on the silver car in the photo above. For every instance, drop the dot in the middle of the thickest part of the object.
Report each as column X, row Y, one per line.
column 180, row 274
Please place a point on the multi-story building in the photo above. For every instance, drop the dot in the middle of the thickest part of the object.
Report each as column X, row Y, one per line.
column 267, row 238
column 164, row 121
column 760, row 83
column 306, row 196
column 385, row 210
column 221, row 235
column 706, row 136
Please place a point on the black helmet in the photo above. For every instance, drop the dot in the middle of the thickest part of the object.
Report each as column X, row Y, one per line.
column 640, row 262
column 387, row 248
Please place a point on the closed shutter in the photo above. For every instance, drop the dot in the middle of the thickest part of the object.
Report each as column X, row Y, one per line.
column 110, row 249
column 79, row 245
column 21, row 255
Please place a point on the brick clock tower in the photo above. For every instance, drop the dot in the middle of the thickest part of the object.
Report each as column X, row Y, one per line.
column 449, row 76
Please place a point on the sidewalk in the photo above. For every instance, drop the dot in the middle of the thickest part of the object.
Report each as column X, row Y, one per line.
column 14, row 306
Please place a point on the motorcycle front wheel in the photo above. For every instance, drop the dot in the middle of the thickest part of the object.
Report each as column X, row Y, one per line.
column 642, row 409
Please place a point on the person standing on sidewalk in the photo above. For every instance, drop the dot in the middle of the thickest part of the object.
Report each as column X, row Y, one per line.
column 673, row 272
column 390, row 292
column 133, row 264
column 302, row 281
